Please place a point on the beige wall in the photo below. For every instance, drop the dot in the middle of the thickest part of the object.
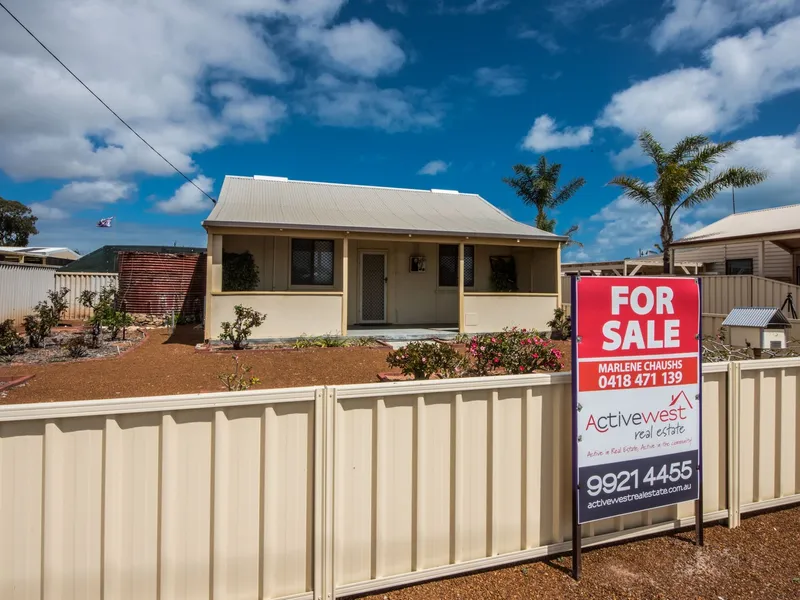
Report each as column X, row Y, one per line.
column 777, row 261
column 288, row 315
column 327, row 492
column 490, row 313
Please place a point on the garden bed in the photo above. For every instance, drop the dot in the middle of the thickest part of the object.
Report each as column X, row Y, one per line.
column 54, row 348
column 298, row 344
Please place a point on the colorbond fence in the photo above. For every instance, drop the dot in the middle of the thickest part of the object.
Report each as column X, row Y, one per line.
column 21, row 288
column 331, row 491
column 77, row 283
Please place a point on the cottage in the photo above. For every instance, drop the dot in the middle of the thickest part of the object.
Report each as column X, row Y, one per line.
column 333, row 258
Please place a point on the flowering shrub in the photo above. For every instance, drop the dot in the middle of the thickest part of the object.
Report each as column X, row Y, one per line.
column 515, row 351
column 423, row 360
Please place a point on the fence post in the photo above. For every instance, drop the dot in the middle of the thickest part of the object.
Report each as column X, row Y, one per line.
column 324, row 411
column 732, row 465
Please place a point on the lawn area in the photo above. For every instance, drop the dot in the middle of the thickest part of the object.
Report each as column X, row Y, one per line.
column 167, row 363
column 758, row 560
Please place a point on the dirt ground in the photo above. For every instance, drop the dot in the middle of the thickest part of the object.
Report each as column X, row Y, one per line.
column 167, row 363
column 759, row 561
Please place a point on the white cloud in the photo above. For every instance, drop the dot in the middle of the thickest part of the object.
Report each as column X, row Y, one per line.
column 501, row 81
column 364, row 104
column 434, row 167
column 473, row 7
column 741, row 73
column 695, row 22
column 46, row 212
column 544, row 136
column 80, row 194
column 544, row 39
column 247, row 115
column 358, row 47
column 188, row 199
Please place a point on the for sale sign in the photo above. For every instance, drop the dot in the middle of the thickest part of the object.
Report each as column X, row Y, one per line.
column 637, row 376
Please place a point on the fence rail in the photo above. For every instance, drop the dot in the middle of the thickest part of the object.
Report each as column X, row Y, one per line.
column 329, row 491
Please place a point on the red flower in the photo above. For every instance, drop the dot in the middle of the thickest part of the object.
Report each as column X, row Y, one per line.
column 522, row 368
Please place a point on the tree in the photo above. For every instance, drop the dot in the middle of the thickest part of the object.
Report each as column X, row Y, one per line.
column 538, row 186
column 17, row 223
column 685, row 178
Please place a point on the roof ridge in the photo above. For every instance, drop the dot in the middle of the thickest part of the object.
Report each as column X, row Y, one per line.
column 355, row 185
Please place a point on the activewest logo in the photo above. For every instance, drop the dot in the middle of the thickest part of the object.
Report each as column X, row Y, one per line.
column 675, row 412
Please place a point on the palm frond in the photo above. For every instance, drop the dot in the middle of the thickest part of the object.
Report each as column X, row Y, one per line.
column 652, row 148
column 567, row 192
column 639, row 191
column 686, row 147
column 733, row 177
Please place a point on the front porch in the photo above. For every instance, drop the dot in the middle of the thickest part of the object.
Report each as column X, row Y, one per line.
column 386, row 286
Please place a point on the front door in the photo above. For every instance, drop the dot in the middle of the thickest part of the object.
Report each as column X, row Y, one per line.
column 373, row 287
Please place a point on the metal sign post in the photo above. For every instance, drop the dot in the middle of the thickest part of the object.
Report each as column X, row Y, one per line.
column 637, row 398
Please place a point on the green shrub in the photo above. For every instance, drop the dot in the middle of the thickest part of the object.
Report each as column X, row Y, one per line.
column 423, row 360
column 237, row 332
column 47, row 315
column 322, row 341
column 238, row 381
column 76, row 347
column 560, row 325
column 106, row 314
column 10, row 342
column 239, row 272
column 513, row 351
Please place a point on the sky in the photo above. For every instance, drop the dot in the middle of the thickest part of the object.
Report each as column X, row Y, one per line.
column 446, row 94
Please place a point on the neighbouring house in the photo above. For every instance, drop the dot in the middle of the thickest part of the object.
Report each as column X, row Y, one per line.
column 761, row 242
column 652, row 264
column 332, row 258
column 38, row 255
column 106, row 258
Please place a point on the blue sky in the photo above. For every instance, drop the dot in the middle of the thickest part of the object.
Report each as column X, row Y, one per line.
column 406, row 93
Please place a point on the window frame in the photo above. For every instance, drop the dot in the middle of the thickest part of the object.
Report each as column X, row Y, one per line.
column 467, row 282
column 729, row 261
column 312, row 284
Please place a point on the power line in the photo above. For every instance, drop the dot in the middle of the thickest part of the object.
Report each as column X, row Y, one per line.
column 99, row 99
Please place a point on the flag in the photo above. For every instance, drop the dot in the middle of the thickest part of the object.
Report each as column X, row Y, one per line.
column 105, row 222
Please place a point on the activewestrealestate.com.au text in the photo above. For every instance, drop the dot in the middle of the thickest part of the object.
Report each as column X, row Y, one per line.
column 639, row 496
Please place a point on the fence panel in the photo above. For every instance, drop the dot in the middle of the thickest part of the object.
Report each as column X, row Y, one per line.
column 77, row 283
column 769, row 440
column 21, row 288
column 437, row 478
column 174, row 497
column 722, row 293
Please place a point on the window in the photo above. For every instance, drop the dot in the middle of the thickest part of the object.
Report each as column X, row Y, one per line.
column 739, row 266
column 448, row 265
column 312, row 262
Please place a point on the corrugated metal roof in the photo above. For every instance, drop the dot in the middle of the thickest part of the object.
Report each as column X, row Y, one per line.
column 755, row 317
column 749, row 224
column 247, row 201
column 104, row 259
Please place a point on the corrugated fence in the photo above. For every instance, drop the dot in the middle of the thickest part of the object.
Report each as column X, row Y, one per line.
column 21, row 288
column 77, row 283
column 155, row 283
column 330, row 491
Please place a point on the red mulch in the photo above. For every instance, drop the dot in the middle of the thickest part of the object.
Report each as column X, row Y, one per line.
column 167, row 363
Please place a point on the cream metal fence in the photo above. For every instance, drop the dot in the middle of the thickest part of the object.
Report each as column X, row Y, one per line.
column 22, row 287
column 331, row 491
column 78, row 283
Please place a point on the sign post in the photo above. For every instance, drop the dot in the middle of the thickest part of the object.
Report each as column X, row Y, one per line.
column 637, row 406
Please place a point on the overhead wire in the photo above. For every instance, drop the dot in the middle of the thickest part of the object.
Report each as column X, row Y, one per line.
column 111, row 110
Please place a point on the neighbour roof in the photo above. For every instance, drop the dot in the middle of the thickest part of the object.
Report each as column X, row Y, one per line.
column 277, row 202
column 769, row 221
column 755, row 317
column 104, row 259
column 41, row 251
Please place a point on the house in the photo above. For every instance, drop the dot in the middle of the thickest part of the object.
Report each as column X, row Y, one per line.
column 762, row 242
column 38, row 255
column 106, row 258
column 652, row 264
column 332, row 258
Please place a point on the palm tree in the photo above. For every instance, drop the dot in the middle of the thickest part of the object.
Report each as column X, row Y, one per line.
column 538, row 186
column 685, row 179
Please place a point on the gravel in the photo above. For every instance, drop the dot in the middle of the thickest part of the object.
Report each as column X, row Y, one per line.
column 759, row 561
